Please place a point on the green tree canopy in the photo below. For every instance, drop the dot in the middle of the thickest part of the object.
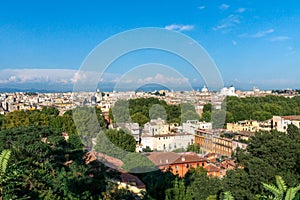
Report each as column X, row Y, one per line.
column 157, row 111
column 39, row 169
column 120, row 111
column 140, row 118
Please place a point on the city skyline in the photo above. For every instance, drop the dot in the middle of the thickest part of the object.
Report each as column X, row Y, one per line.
column 253, row 43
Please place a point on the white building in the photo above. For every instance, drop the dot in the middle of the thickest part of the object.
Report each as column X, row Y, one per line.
column 192, row 125
column 167, row 142
column 280, row 123
column 228, row 91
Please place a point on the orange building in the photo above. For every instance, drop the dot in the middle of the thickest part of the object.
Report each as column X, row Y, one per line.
column 182, row 165
column 213, row 170
column 178, row 164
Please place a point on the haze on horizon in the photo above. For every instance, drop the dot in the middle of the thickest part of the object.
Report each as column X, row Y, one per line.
column 253, row 43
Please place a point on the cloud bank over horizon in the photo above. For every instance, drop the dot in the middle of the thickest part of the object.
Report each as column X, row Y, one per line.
column 64, row 80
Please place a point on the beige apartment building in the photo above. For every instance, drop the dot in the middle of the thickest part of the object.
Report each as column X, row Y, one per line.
column 246, row 125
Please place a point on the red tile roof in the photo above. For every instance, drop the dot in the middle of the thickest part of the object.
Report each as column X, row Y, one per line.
column 132, row 180
column 167, row 158
column 211, row 168
column 162, row 158
column 187, row 159
column 291, row 117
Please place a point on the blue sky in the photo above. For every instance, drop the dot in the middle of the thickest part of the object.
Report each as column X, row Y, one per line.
column 253, row 43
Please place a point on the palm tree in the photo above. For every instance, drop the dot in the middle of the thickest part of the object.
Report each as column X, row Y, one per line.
column 4, row 158
column 281, row 192
column 228, row 196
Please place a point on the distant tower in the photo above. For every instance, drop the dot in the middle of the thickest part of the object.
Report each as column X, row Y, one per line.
column 255, row 89
column 231, row 91
column 98, row 96
column 204, row 89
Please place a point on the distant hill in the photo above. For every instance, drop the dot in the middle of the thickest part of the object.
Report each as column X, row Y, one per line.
column 152, row 87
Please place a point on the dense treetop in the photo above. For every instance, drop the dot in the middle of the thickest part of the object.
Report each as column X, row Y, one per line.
column 256, row 108
column 141, row 110
column 262, row 108
column 45, row 165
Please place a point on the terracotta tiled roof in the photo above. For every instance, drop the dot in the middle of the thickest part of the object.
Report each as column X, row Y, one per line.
column 211, row 168
column 167, row 158
column 291, row 117
column 231, row 162
column 132, row 180
column 162, row 158
column 211, row 155
column 187, row 159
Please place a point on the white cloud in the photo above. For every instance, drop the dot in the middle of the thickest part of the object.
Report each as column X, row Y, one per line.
column 68, row 78
column 179, row 27
column 12, row 78
column 20, row 76
column 78, row 76
column 230, row 21
column 259, row 34
column 201, row 7
column 51, row 76
column 3, row 81
column 263, row 33
column 160, row 78
column 224, row 6
column 279, row 38
column 241, row 10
